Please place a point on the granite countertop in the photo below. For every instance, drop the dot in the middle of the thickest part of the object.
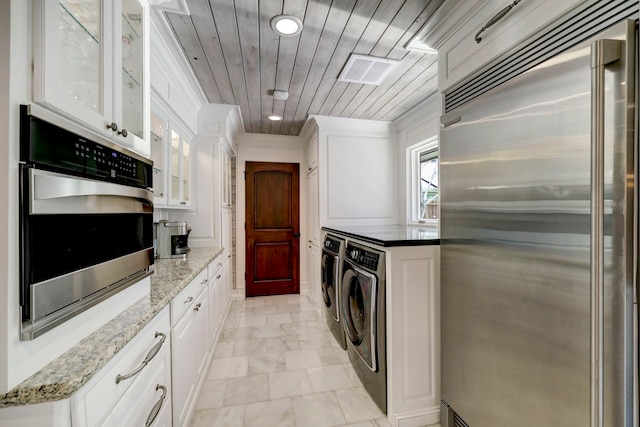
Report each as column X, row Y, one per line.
column 390, row 235
column 61, row 378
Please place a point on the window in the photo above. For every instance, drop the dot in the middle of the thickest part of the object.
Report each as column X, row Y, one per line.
column 424, row 185
column 429, row 185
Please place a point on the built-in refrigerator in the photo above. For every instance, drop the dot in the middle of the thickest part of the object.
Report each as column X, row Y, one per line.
column 538, row 232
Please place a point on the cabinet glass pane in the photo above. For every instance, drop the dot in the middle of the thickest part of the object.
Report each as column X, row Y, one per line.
column 158, row 131
column 79, row 33
column 132, row 63
column 185, row 171
column 175, row 165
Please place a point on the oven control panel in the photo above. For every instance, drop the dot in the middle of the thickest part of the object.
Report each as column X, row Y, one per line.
column 48, row 146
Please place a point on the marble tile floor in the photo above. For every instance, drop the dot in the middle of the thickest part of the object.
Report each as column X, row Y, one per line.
column 277, row 364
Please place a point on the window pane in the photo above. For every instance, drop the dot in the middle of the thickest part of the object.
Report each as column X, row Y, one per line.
column 429, row 185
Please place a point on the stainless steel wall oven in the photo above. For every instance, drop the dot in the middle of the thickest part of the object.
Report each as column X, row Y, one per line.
column 86, row 222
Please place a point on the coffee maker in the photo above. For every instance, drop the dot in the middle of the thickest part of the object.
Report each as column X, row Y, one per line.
column 172, row 239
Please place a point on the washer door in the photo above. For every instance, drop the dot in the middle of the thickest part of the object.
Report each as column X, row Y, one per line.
column 329, row 281
column 359, row 296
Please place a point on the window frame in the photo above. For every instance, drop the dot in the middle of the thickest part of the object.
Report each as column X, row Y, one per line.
column 413, row 184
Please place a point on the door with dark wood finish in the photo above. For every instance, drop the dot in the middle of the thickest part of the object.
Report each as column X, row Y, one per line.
column 272, row 228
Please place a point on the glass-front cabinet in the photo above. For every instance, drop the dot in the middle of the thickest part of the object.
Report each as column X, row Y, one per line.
column 91, row 64
column 171, row 155
column 179, row 171
column 158, row 138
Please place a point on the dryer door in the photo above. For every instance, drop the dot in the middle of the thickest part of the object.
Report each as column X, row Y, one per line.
column 359, row 296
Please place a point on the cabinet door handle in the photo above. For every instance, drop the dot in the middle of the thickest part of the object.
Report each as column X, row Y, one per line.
column 219, row 264
column 123, row 132
column 219, row 276
column 203, row 282
column 497, row 17
column 113, row 126
column 152, row 353
column 188, row 300
column 156, row 408
column 197, row 307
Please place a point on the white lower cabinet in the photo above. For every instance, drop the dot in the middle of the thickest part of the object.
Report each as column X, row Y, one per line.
column 215, row 299
column 131, row 383
column 413, row 335
column 189, row 354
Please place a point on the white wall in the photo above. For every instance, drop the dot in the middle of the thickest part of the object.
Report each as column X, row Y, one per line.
column 414, row 127
column 265, row 148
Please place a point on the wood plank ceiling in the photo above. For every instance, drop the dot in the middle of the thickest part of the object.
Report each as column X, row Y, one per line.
column 240, row 60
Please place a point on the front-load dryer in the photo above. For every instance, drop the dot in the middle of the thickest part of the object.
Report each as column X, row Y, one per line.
column 331, row 266
column 364, row 317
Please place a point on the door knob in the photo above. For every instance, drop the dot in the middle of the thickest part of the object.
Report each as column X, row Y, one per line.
column 296, row 234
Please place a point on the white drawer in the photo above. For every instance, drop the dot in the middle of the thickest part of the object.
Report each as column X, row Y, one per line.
column 184, row 300
column 95, row 399
column 215, row 266
column 148, row 397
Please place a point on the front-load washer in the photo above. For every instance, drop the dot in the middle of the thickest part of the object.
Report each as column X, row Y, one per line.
column 364, row 317
column 331, row 266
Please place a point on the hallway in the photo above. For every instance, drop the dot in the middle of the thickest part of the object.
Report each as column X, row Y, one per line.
column 277, row 364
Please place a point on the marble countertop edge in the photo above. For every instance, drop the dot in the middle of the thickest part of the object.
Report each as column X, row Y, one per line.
column 64, row 376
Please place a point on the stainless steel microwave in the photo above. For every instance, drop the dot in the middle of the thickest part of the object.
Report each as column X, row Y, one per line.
column 86, row 222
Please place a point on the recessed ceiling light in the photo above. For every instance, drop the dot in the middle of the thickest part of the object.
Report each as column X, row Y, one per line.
column 275, row 117
column 286, row 25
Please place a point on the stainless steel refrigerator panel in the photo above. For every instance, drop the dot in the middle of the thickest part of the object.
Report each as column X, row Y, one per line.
column 515, row 228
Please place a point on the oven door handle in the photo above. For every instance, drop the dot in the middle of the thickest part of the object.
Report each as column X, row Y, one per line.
column 47, row 189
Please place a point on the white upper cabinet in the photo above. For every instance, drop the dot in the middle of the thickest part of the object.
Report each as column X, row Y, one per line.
column 312, row 152
column 179, row 168
column 91, row 65
column 159, row 128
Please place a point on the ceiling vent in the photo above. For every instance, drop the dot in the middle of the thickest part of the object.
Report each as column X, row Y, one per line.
column 366, row 69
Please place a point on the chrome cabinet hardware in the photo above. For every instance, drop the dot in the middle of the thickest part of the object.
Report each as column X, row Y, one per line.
column 497, row 17
column 188, row 300
column 123, row 132
column 113, row 126
column 218, row 276
column 197, row 307
column 152, row 353
column 203, row 282
column 156, row 408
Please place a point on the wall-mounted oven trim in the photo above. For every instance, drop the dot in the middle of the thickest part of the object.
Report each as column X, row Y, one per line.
column 47, row 295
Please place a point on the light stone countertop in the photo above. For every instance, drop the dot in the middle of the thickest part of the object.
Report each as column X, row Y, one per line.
column 61, row 378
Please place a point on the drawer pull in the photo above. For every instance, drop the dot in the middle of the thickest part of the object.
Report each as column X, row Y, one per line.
column 219, row 264
column 156, row 408
column 188, row 300
column 197, row 307
column 497, row 17
column 203, row 282
column 152, row 353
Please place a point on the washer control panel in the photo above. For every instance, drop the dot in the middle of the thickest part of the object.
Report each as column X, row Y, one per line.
column 363, row 257
column 333, row 245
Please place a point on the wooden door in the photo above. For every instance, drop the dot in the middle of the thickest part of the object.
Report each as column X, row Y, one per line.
column 272, row 228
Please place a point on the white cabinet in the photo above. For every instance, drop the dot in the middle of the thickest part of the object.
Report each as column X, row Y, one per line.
column 171, row 155
column 312, row 153
column 215, row 303
column 189, row 350
column 91, row 65
column 179, row 170
column 313, row 270
column 126, row 389
column 413, row 335
column 159, row 148
column 225, row 178
column 313, row 211
column 460, row 55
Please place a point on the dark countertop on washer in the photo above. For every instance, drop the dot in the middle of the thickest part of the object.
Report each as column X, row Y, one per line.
column 390, row 235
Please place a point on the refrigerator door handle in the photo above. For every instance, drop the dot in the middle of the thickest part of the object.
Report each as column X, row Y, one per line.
column 603, row 52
